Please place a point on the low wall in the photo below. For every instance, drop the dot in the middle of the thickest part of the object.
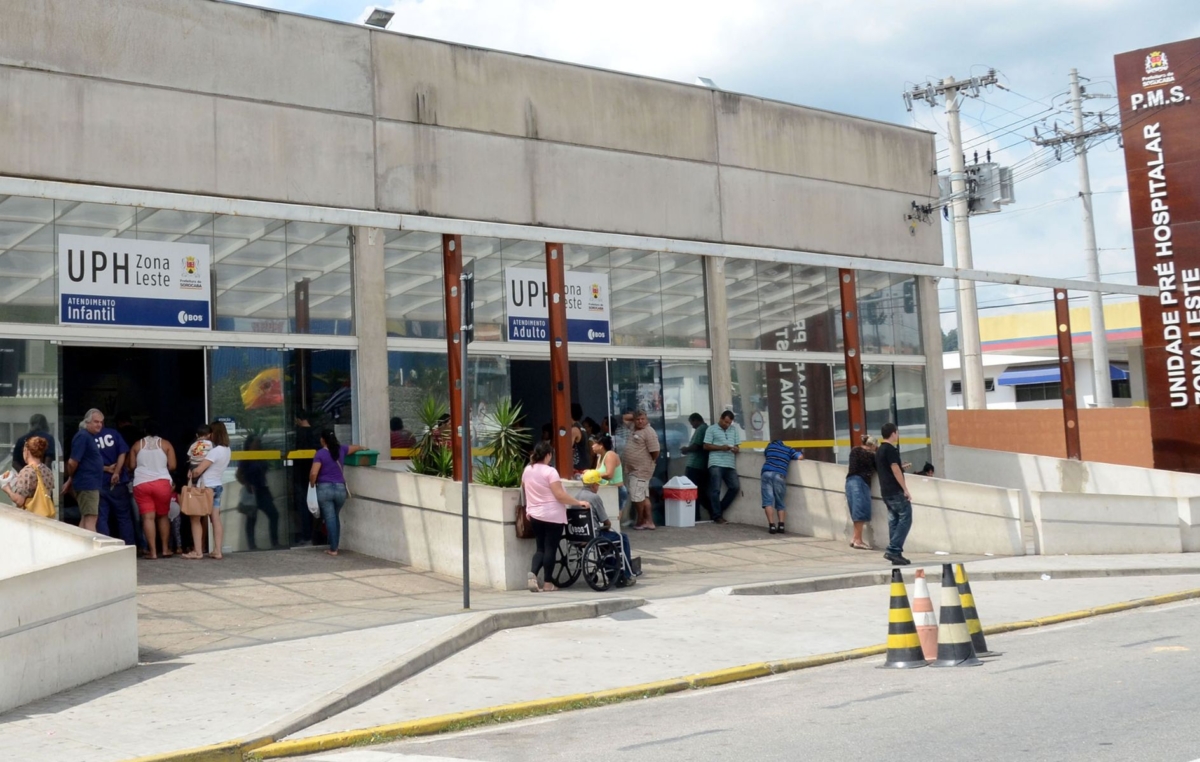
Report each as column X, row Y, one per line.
column 416, row 520
column 1100, row 524
column 68, row 607
column 1112, row 435
column 950, row 516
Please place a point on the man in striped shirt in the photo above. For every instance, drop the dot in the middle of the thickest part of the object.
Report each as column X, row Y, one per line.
column 777, row 459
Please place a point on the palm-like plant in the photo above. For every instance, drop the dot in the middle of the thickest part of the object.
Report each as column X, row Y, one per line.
column 433, row 456
column 506, row 444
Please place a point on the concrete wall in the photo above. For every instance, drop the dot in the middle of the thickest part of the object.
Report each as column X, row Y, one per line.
column 1115, row 435
column 1101, row 524
column 68, row 607
column 950, row 516
column 205, row 97
column 417, row 520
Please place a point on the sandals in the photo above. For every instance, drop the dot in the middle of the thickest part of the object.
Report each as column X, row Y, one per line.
column 861, row 546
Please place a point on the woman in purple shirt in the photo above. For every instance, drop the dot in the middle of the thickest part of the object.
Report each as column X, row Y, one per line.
column 326, row 475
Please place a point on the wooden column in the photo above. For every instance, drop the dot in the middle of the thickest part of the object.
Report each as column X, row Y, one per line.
column 1066, row 369
column 855, row 394
column 451, row 270
column 560, row 364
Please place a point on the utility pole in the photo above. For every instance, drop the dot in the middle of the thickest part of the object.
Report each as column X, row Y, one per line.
column 971, row 360
column 1100, row 367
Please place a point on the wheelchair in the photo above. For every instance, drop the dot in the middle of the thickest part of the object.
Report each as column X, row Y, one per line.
column 582, row 551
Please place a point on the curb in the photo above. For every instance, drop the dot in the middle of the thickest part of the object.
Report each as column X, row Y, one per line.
column 525, row 709
column 868, row 579
column 366, row 687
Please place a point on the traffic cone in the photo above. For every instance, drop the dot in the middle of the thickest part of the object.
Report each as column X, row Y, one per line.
column 954, row 640
column 969, row 612
column 927, row 626
column 903, row 645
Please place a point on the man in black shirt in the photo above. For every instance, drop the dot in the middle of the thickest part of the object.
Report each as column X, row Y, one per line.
column 894, row 492
column 38, row 427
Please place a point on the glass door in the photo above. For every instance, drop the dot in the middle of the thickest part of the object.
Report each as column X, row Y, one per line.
column 637, row 385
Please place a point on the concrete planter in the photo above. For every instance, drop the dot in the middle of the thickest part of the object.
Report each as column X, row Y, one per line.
column 68, row 607
column 416, row 520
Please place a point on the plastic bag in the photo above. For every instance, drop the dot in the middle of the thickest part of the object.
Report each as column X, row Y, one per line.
column 314, row 507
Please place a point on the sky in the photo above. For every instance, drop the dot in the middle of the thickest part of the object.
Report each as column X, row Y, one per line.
column 856, row 57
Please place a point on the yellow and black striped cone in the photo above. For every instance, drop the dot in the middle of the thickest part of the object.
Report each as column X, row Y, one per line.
column 954, row 640
column 903, row 644
column 972, row 616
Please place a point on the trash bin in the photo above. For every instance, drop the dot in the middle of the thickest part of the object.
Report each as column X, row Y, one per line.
column 679, row 494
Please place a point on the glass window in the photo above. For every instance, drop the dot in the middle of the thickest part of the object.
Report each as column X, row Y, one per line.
column 318, row 261
column 637, row 307
column 790, row 401
column 685, row 391
column 28, row 388
column 250, row 274
column 1038, row 392
column 413, row 279
column 485, row 256
column 27, row 261
column 684, row 308
column 889, row 317
column 765, row 298
column 414, row 377
column 912, row 416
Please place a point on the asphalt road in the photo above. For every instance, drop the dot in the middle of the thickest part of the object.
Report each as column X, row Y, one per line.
column 1117, row 687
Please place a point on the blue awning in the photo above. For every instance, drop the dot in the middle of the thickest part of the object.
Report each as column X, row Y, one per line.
column 1048, row 374
column 1030, row 374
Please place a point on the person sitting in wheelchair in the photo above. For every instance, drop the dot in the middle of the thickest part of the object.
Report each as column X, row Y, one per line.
column 590, row 495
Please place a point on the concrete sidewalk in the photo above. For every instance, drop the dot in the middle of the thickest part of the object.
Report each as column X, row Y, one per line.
column 673, row 638
column 250, row 599
column 217, row 696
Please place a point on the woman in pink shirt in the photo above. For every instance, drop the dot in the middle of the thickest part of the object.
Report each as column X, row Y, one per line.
column 545, row 505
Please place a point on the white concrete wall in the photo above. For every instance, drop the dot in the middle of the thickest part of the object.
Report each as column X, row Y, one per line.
column 213, row 98
column 417, row 520
column 1090, row 524
column 950, row 516
column 68, row 607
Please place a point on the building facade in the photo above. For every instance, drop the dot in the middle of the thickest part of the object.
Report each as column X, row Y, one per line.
column 320, row 183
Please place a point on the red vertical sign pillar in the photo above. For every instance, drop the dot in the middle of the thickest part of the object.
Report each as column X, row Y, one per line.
column 451, row 270
column 560, row 365
column 1066, row 370
column 855, row 394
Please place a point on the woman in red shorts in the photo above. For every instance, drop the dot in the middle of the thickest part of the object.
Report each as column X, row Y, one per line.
column 153, row 460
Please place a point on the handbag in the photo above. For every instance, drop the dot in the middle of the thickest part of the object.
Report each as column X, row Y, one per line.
column 314, row 505
column 40, row 504
column 247, row 502
column 196, row 501
column 524, row 526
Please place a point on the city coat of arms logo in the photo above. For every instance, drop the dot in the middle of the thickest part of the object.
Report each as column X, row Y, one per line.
column 1156, row 62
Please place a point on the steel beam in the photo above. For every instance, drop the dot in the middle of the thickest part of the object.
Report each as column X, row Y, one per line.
column 1066, row 369
column 451, row 270
column 560, row 364
column 855, row 394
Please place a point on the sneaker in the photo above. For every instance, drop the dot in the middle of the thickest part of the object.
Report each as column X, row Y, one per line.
column 770, row 529
column 779, row 529
column 897, row 559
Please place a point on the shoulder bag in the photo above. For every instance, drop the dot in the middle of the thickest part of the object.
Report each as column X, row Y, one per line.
column 523, row 525
column 40, row 504
column 196, row 501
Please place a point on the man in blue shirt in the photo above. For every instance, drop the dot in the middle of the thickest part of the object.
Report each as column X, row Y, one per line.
column 722, row 442
column 777, row 459
column 85, row 469
column 116, row 512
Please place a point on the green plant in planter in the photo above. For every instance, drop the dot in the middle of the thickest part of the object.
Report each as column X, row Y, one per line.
column 506, row 444
column 434, row 456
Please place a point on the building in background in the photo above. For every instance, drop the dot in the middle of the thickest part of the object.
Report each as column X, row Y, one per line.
column 1021, row 366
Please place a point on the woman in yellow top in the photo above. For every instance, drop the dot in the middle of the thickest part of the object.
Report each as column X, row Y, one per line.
column 608, row 463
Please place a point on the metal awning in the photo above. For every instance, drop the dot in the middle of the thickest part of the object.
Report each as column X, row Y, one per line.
column 1048, row 374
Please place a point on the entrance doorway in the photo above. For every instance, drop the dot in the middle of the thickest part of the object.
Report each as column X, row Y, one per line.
column 166, row 385
column 531, row 387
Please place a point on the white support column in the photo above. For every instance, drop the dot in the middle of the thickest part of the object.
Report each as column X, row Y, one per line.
column 935, row 380
column 372, row 411
column 720, row 373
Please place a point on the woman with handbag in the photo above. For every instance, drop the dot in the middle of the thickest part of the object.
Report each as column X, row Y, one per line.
column 546, row 506
column 330, row 482
column 153, row 460
column 33, row 486
column 209, row 473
